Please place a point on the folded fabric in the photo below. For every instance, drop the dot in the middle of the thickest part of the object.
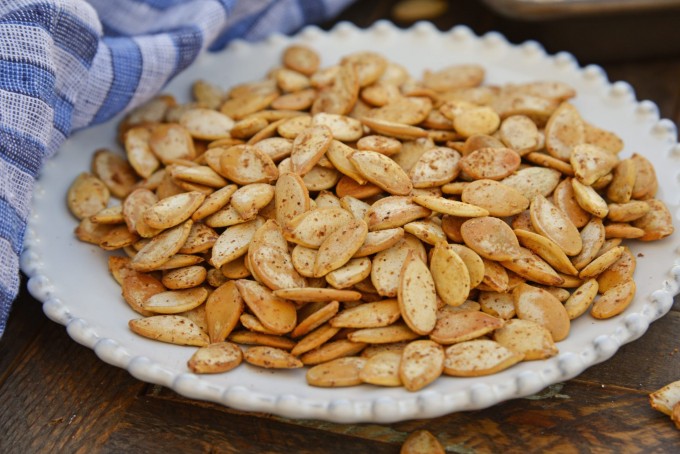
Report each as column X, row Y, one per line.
column 68, row 64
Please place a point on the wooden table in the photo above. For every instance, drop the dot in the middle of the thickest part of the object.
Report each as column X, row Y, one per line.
column 57, row 396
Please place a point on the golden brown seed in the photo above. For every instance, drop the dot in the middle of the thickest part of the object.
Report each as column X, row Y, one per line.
column 427, row 231
column 491, row 238
column 175, row 301
column 657, row 223
column 248, row 200
column 478, row 357
column 271, row 358
column 665, row 399
column 591, row 162
column 454, row 77
column 308, row 147
column 273, row 266
column 564, row 199
column 291, row 198
column 137, row 288
column 410, row 110
column 435, row 167
column 394, row 211
column 538, row 305
column 498, row 199
column 206, row 124
column 622, row 230
column 223, row 309
column 531, row 267
column 341, row 93
column 422, row 362
column 500, row 305
column 276, row 314
column 455, row 326
column 450, row 274
column 214, row 202
column 545, row 160
column 532, row 181
column 395, row 332
column 382, row 172
column 114, row 171
column 552, row 223
column 117, row 237
column 173, row 329
column 547, row 249
column 368, row 315
column 312, row 295
column 385, row 145
column 394, row 129
column 620, row 271
column 215, row 358
column 614, row 301
column 199, row 175
column 620, row 190
column 245, row 164
column 416, row 295
column 161, row 247
column 301, row 59
column 138, row 151
column 579, row 301
column 314, row 339
column 629, row 211
column 339, row 247
column 490, row 163
column 312, row 227
column 313, row 315
column 270, row 340
column 87, row 196
column 526, row 337
column 646, row 183
column 171, row 141
column 565, row 129
column 588, row 198
column 332, row 350
column 422, row 441
column 476, row 120
column 369, row 66
column 234, row 242
column 448, row 206
column 336, row 373
column 519, row 133
column 495, row 277
column 382, row 369
column 173, row 210
column 601, row 263
column 184, row 278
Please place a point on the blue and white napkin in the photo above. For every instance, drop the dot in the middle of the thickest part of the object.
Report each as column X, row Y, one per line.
column 68, row 64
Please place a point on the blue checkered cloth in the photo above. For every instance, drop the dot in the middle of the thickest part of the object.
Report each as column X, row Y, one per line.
column 68, row 64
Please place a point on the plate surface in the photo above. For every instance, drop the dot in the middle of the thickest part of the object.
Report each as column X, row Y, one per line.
column 72, row 281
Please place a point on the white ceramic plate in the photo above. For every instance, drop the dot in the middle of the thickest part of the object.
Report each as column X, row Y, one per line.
column 72, row 281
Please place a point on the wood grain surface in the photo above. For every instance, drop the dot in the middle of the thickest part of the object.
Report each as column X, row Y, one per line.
column 57, row 396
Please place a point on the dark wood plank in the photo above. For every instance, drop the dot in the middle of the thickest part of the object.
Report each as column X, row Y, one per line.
column 26, row 322
column 566, row 418
column 58, row 396
column 181, row 425
column 645, row 364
